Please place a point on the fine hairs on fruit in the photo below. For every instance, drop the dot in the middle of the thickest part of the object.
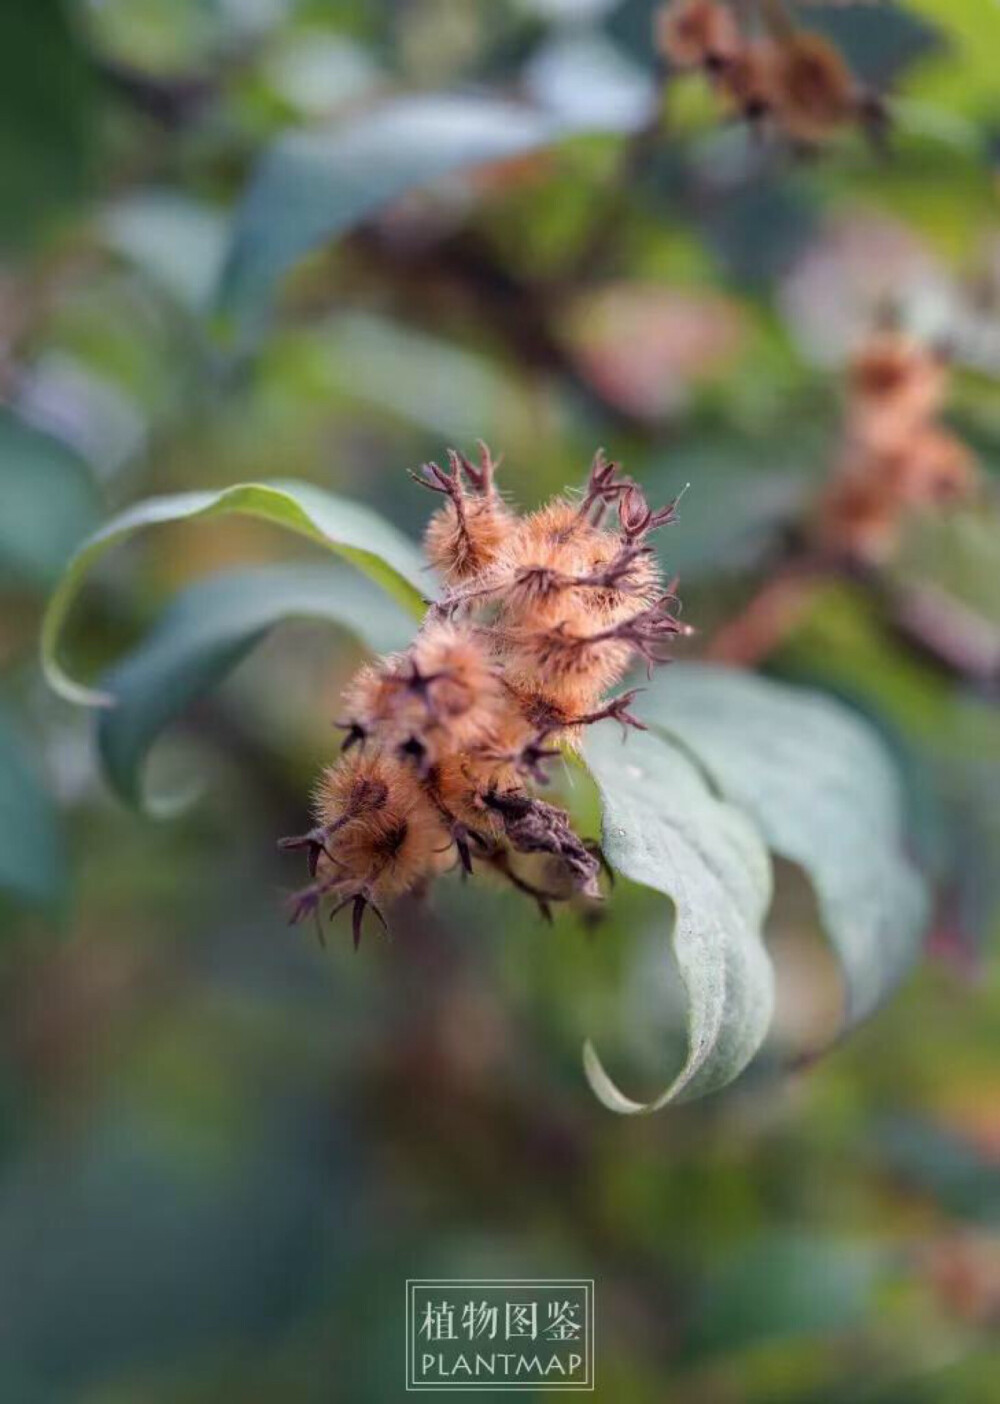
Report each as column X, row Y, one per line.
column 447, row 743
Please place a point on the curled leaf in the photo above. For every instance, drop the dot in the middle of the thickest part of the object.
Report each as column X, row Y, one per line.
column 663, row 827
column 208, row 630
column 347, row 528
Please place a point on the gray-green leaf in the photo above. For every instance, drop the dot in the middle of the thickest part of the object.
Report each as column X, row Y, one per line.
column 32, row 857
column 178, row 242
column 663, row 827
column 348, row 528
column 313, row 185
column 49, row 501
column 782, row 1285
column 821, row 788
column 205, row 634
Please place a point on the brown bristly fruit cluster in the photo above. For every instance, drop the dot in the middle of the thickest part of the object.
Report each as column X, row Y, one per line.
column 896, row 456
column 540, row 617
column 793, row 80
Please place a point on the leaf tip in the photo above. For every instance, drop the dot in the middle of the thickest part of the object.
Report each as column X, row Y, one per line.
column 603, row 1088
column 71, row 691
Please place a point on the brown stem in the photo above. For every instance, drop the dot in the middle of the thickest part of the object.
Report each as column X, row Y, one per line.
column 770, row 615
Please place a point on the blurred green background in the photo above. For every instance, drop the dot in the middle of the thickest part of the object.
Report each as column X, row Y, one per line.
column 224, row 1149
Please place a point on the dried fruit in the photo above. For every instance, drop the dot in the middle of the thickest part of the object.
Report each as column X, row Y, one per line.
column 896, row 457
column 697, row 33
column 796, row 79
column 813, row 90
column 541, row 616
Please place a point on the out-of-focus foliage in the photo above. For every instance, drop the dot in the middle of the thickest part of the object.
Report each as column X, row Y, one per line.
column 32, row 859
column 46, row 147
column 324, row 182
column 224, row 1150
column 40, row 468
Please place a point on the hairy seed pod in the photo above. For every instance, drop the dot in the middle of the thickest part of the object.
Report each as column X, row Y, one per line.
column 462, row 547
column 897, row 458
column 355, row 787
column 461, row 674
column 382, row 702
column 574, row 667
column 813, row 91
column 858, row 518
column 455, row 785
column 746, row 82
column 937, row 468
column 697, row 33
column 555, row 536
column 446, row 739
column 895, row 385
column 465, row 535
column 383, row 832
column 558, row 570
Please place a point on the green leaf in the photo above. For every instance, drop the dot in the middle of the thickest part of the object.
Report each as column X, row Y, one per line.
column 784, row 1285
column 49, row 121
column 451, row 391
column 734, row 509
column 208, row 630
column 33, row 865
column 963, row 77
column 820, row 786
column 49, row 501
column 178, row 242
column 347, row 528
column 313, row 185
column 956, row 1172
column 664, row 828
